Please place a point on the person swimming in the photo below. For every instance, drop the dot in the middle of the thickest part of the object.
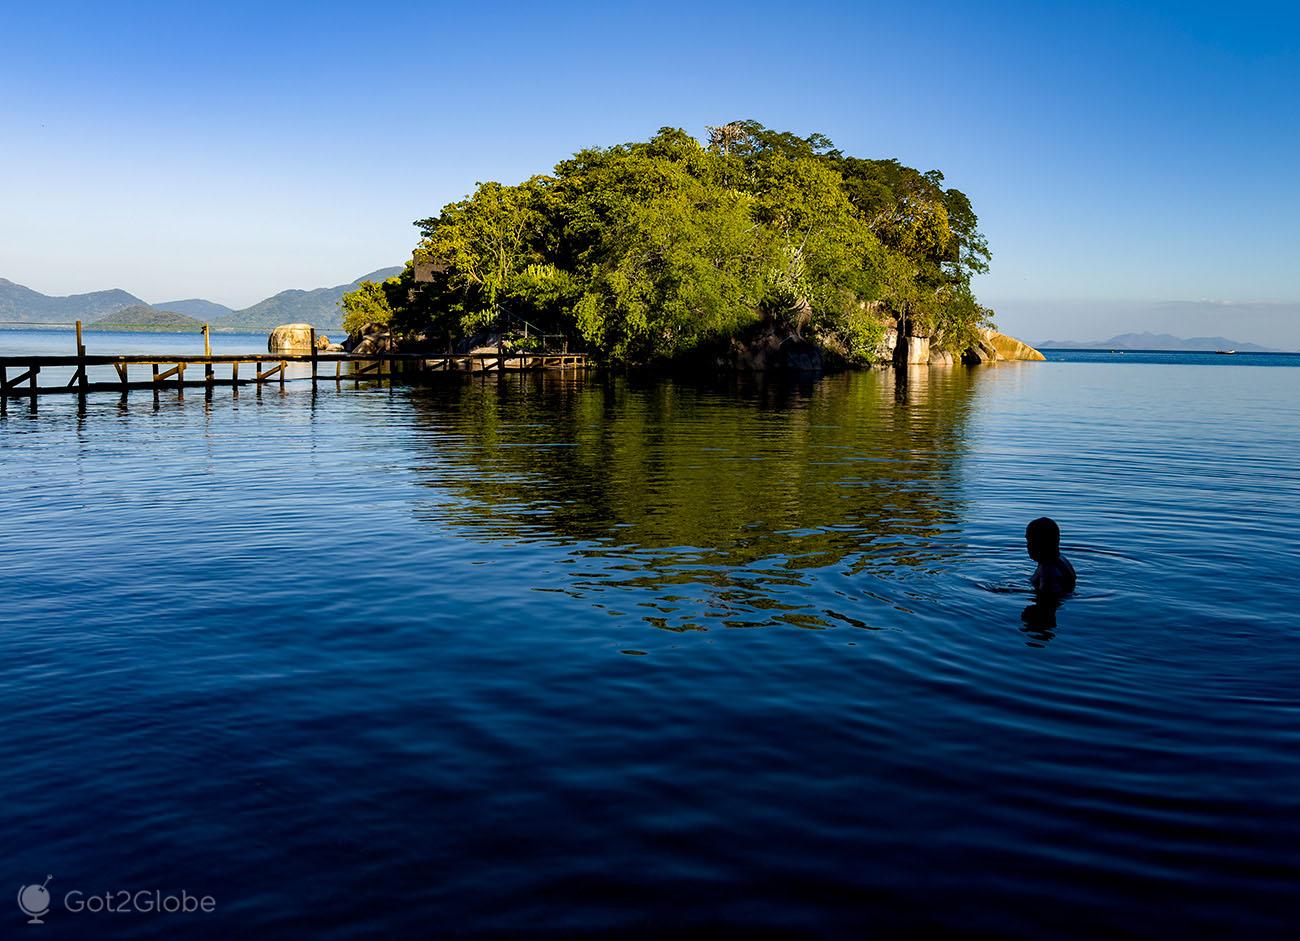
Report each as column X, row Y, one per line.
column 1054, row 577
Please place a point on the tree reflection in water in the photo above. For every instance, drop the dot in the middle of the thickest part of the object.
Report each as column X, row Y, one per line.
column 708, row 503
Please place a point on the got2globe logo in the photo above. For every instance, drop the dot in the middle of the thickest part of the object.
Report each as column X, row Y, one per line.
column 34, row 900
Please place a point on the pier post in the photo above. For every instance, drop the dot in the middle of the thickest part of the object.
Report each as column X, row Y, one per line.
column 313, row 359
column 282, row 366
column 4, row 390
column 81, row 363
column 207, row 367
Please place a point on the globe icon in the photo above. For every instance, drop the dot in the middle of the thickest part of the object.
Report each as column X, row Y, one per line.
column 34, row 900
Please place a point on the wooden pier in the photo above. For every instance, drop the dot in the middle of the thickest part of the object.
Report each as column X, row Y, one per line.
column 19, row 375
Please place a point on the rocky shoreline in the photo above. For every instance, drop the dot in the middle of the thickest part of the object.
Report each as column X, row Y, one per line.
column 767, row 351
column 993, row 347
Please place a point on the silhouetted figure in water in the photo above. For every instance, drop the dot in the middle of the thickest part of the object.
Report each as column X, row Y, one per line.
column 1054, row 578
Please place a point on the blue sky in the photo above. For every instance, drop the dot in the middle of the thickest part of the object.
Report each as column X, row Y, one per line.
column 1120, row 155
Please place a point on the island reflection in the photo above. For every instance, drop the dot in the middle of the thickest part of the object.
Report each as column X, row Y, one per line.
column 745, row 486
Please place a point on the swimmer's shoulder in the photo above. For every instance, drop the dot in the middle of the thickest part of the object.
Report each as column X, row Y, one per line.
column 1068, row 571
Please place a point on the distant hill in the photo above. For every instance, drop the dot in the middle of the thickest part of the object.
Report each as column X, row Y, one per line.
column 1156, row 341
column 23, row 305
column 144, row 317
column 319, row 307
column 199, row 309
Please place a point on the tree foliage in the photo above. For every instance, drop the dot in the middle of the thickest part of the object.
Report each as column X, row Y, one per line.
column 366, row 305
column 650, row 250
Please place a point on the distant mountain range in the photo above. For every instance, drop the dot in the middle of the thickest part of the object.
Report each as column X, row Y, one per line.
column 22, row 304
column 319, row 307
column 201, row 310
column 1156, row 341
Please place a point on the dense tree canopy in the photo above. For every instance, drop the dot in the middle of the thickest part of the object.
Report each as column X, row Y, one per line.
column 651, row 250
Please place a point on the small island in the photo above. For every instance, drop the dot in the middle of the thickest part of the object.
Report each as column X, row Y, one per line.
column 758, row 249
column 146, row 319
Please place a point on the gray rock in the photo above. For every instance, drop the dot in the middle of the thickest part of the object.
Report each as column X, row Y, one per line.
column 372, row 338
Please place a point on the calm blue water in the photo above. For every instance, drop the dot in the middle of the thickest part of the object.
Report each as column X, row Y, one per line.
column 1172, row 358
column 55, row 341
column 553, row 657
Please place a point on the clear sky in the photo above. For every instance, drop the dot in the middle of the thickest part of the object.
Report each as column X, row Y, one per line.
column 1120, row 155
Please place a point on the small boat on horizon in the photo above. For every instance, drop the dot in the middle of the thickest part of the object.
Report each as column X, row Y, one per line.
column 1226, row 352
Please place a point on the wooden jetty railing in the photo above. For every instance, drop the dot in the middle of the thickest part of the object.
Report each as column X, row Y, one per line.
column 19, row 374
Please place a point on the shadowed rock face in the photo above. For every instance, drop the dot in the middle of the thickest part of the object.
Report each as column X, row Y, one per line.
column 290, row 338
column 372, row 338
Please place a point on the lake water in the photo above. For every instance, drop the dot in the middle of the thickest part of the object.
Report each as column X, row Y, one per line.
column 558, row 657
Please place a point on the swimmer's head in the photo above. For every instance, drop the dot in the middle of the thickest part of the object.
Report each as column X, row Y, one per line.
column 1043, row 539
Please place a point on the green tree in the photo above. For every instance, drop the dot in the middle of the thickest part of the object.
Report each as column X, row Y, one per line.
column 368, row 304
column 678, row 271
column 487, row 243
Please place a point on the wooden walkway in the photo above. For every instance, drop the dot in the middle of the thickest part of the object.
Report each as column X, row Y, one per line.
column 19, row 375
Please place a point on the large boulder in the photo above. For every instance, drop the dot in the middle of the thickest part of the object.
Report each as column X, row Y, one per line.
column 994, row 347
column 290, row 338
column 1010, row 348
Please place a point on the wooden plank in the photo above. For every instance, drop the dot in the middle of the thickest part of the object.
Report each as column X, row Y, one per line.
column 174, row 371
column 21, row 378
